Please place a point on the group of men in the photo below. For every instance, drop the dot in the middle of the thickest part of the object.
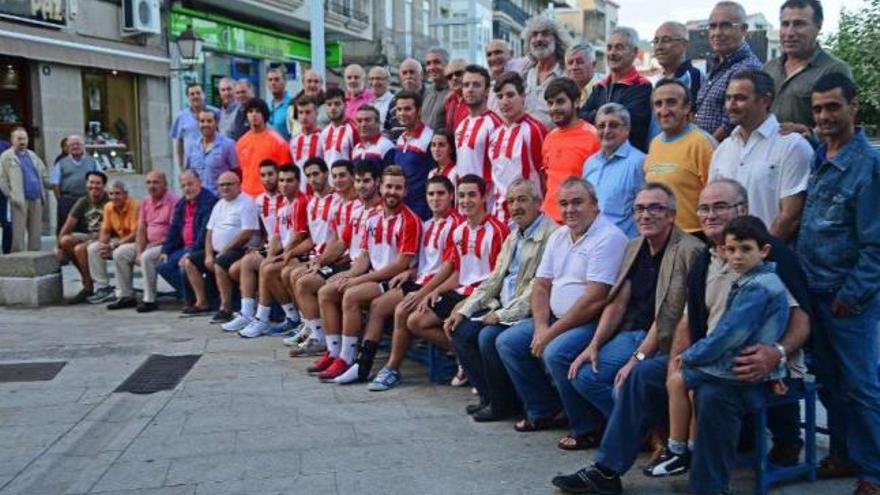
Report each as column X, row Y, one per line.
column 565, row 235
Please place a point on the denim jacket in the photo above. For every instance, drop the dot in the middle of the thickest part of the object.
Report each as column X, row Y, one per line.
column 757, row 312
column 839, row 240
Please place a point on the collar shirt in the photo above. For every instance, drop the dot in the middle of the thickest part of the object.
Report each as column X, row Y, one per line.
column 226, row 124
column 710, row 112
column 414, row 157
column 388, row 236
column 617, row 179
column 211, row 161
column 321, row 210
column 355, row 101
column 472, row 145
column 378, row 151
column 515, row 152
column 792, row 100
column 156, row 215
column 186, row 127
column 536, row 105
column 356, row 229
column 278, row 114
column 291, row 219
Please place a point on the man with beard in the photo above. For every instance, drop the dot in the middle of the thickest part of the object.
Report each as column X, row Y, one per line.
column 357, row 93
column 214, row 154
column 81, row 227
column 244, row 92
column 547, row 42
column 623, row 85
column 433, row 110
column 410, row 77
column 340, row 136
column 306, row 143
column 472, row 134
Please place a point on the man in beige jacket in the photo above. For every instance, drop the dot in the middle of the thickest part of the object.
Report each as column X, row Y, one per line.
column 24, row 179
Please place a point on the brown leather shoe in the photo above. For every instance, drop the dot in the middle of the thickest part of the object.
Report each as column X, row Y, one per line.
column 832, row 467
column 865, row 487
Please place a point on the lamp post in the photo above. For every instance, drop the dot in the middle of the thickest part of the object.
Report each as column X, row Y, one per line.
column 189, row 45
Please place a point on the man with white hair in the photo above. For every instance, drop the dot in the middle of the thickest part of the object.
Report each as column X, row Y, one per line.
column 228, row 107
column 547, row 42
column 313, row 86
column 409, row 75
column 580, row 67
column 433, row 111
column 670, row 49
column 68, row 177
column 356, row 91
column 499, row 58
column 379, row 80
column 118, row 228
column 623, row 85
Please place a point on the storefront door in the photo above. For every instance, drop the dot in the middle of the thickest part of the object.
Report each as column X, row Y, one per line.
column 247, row 68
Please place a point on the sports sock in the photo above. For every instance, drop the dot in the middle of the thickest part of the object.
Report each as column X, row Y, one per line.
column 290, row 311
column 263, row 313
column 334, row 345
column 248, row 306
column 677, row 447
column 317, row 329
column 349, row 348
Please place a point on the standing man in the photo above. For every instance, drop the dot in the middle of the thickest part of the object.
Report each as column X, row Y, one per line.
column 82, row 227
column 23, row 177
column 623, row 85
column 472, row 134
column 499, row 58
column 276, row 80
column 244, row 92
column 154, row 221
column 580, row 67
column 433, row 111
column 455, row 109
column 413, row 151
column 774, row 168
column 306, row 143
column 680, row 156
column 547, row 41
column 670, row 46
column 567, row 146
column 339, row 136
column 410, row 77
column 228, row 107
column 257, row 145
column 313, row 87
column 373, row 147
column 379, row 81
column 68, row 177
column 728, row 26
column 802, row 63
column 118, row 228
column 841, row 257
column 215, row 153
column 356, row 91
column 185, row 129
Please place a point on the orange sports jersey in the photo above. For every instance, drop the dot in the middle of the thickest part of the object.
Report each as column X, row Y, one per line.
column 563, row 155
column 252, row 149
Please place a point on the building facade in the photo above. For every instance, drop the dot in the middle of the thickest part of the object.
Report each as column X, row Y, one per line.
column 592, row 21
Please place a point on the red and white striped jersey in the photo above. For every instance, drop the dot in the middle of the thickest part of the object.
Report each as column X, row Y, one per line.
column 343, row 215
column 269, row 204
column 449, row 171
column 388, row 237
column 472, row 145
column 475, row 252
column 302, row 147
column 292, row 218
column 320, row 214
column 436, row 241
column 337, row 143
column 515, row 151
column 353, row 234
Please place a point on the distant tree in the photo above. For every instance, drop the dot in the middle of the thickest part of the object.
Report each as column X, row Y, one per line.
column 857, row 42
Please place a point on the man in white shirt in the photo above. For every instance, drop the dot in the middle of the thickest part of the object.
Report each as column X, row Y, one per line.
column 379, row 80
column 774, row 168
column 578, row 268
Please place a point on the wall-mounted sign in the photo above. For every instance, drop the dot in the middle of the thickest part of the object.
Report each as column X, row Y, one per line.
column 46, row 12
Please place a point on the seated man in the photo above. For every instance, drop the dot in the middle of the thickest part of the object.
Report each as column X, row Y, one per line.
column 469, row 259
column 154, row 220
column 411, row 286
column 81, row 227
column 186, row 235
column 232, row 228
column 388, row 247
column 571, row 287
column 500, row 301
column 644, row 306
column 118, row 227
column 344, row 243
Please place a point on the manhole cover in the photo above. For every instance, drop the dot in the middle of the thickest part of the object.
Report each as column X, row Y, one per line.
column 30, row 372
column 158, row 373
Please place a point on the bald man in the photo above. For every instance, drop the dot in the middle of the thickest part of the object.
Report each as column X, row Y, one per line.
column 379, row 80
column 154, row 220
column 68, row 177
column 670, row 48
column 356, row 91
column 313, row 85
column 410, row 76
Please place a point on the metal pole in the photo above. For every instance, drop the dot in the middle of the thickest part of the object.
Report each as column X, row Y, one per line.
column 316, row 22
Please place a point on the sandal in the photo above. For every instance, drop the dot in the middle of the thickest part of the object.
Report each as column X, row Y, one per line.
column 540, row 424
column 579, row 442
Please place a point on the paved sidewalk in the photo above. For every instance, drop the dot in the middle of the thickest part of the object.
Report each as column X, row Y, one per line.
column 248, row 420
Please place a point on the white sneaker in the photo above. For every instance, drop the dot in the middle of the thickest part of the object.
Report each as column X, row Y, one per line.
column 350, row 375
column 302, row 333
column 311, row 347
column 254, row 329
column 236, row 324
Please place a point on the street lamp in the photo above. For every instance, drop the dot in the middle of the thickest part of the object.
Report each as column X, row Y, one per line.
column 189, row 45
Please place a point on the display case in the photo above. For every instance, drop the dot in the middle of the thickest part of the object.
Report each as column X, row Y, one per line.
column 112, row 134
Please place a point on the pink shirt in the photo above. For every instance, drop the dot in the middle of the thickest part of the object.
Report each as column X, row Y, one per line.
column 157, row 215
column 352, row 102
column 189, row 216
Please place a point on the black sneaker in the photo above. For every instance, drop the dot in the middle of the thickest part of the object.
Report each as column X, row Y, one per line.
column 589, row 480
column 222, row 316
column 668, row 464
column 472, row 408
column 490, row 413
column 147, row 307
column 123, row 303
column 81, row 297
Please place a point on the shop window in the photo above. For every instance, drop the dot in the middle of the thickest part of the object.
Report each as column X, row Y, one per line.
column 14, row 96
column 112, row 132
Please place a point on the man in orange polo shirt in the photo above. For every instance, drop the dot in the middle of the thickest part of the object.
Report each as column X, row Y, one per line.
column 117, row 229
column 568, row 145
column 258, row 144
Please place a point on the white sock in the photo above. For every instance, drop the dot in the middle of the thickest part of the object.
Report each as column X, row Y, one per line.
column 317, row 329
column 349, row 348
column 677, row 447
column 263, row 313
column 690, row 445
column 333, row 345
column 290, row 311
column 248, row 306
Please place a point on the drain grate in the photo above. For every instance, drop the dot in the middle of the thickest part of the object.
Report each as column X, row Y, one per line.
column 157, row 373
column 30, row 372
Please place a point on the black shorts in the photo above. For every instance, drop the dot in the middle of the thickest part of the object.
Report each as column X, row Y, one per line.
column 409, row 287
column 224, row 260
column 446, row 303
column 330, row 270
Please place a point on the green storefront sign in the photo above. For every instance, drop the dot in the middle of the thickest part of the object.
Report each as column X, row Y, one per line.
column 227, row 35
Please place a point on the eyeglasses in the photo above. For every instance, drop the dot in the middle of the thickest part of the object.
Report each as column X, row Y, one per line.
column 665, row 40
column 717, row 208
column 458, row 73
column 723, row 26
column 609, row 125
column 652, row 209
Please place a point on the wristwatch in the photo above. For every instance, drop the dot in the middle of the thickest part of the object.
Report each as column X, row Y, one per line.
column 784, row 357
column 639, row 355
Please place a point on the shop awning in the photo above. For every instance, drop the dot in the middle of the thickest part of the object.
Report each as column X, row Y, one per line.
column 59, row 47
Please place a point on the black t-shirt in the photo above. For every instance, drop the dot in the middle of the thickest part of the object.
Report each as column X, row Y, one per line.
column 642, row 277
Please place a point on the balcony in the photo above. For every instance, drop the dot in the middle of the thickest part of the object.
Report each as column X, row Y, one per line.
column 511, row 10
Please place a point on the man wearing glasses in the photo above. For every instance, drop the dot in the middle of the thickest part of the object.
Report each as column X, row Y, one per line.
column 670, row 47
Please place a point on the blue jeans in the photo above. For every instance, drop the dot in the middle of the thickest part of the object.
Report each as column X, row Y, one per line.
column 474, row 345
column 641, row 404
column 175, row 275
column 846, row 355
column 529, row 377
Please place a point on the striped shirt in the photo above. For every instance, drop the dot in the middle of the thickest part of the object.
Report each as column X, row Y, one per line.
column 515, row 152
column 353, row 234
column 449, row 171
column 388, row 237
column 291, row 218
column 338, row 142
column 269, row 204
column 380, row 152
column 472, row 145
column 475, row 251
column 304, row 146
column 436, row 241
column 414, row 156
column 320, row 214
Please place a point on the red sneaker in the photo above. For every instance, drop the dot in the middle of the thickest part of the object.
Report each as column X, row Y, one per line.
column 338, row 367
column 321, row 364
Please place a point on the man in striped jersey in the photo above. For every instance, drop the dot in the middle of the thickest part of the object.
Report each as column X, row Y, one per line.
column 340, row 136
column 409, row 288
column 413, row 150
column 515, row 146
column 388, row 248
column 373, row 147
column 472, row 134
column 306, row 143
column 344, row 244
column 467, row 262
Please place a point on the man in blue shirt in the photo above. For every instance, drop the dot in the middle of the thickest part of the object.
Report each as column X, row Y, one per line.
column 214, row 154
column 276, row 79
column 616, row 170
column 185, row 129
column 22, row 178
column 839, row 245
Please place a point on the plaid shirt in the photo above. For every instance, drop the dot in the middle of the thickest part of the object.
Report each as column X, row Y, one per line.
column 710, row 99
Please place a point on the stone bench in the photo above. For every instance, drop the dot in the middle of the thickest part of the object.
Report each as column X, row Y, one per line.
column 30, row 278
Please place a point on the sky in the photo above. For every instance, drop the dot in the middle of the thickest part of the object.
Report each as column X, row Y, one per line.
column 646, row 15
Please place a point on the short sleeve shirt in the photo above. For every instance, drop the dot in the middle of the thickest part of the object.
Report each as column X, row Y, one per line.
column 252, row 149
column 515, row 152
column 291, row 219
column 387, row 237
column 186, row 127
column 229, row 218
column 476, row 251
column 321, row 210
column 88, row 215
column 268, row 205
column 436, row 241
column 157, row 216
column 563, row 155
column 337, row 142
column 120, row 223
column 472, row 145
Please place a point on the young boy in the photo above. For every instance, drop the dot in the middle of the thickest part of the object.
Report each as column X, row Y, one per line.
column 757, row 312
